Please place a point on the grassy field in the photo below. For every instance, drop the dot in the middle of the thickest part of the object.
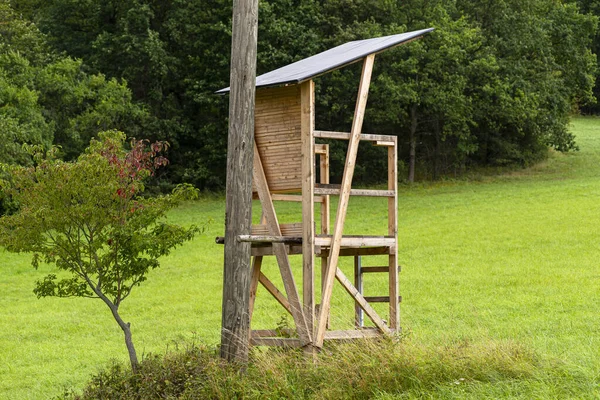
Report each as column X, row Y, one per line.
column 512, row 258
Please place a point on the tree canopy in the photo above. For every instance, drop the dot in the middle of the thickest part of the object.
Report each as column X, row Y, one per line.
column 494, row 84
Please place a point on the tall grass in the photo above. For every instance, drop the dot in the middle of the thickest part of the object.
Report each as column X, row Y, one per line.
column 506, row 262
column 361, row 370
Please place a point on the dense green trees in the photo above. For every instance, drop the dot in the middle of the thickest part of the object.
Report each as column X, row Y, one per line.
column 48, row 98
column 493, row 85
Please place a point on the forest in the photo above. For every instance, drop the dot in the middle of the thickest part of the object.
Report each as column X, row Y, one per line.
column 494, row 85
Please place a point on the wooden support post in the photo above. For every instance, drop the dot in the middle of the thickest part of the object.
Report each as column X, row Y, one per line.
column 358, row 283
column 325, row 213
column 260, row 181
column 238, row 215
column 256, row 264
column 340, row 217
column 324, row 179
column 394, row 322
column 307, row 90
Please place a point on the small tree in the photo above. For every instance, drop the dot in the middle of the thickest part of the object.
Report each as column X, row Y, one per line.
column 87, row 217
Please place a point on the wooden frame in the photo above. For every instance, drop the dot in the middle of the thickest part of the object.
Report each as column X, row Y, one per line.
column 284, row 170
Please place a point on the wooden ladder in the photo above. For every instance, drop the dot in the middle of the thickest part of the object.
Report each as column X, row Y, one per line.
column 359, row 270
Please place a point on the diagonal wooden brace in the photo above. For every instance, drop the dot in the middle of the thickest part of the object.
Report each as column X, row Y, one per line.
column 260, row 181
column 360, row 300
column 340, row 218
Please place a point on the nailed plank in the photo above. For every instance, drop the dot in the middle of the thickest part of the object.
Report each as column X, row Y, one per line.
column 281, row 342
column 280, row 251
column 346, row 136
column 288, row 197
column 356, row 241
column 383, row 244
column 286, row 229
column 347, row 176
column 356, row 192
column 357, row 251
column 365, row 333
column 267, row 250
column 270, row 239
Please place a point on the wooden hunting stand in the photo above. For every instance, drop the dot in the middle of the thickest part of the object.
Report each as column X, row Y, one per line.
column 285, row 158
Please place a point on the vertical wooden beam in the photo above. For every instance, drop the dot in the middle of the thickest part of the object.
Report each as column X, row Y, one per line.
column 238, row 216
column 324, row 178
column 256, row 264
column 307, row 96
column 262, row 187
column 325, row 212
column 358, row 284
column 340, row 218
column 255, row 277
column 394, row 322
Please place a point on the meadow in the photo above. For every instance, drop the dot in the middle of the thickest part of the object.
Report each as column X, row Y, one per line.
column 504, row 259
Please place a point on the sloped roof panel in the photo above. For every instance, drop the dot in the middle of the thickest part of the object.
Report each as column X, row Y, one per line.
column 332, row 59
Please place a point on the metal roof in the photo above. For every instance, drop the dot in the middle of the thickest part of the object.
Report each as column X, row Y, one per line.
column 331, row 59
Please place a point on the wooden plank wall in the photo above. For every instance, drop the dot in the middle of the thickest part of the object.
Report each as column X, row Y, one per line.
column 277, row 127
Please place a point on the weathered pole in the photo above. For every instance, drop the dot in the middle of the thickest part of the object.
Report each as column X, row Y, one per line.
column 238, row 213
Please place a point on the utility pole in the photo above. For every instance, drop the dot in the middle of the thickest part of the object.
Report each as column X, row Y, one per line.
column 235, row 329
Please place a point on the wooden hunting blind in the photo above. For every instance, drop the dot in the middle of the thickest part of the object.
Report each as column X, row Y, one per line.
column 285, row 159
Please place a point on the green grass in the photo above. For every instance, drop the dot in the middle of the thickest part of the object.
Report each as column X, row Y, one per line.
column 486, row 261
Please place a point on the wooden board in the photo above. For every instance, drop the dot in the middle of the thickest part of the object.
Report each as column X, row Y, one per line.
column 286, row 229
column 346, row 136
column 277, row 128
column 357, row 241
column 394, row 286
column 307, row 95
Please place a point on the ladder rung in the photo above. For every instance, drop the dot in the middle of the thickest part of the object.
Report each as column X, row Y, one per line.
column 366, row 270
column 380, row 299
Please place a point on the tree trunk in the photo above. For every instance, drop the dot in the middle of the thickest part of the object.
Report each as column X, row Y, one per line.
column 413, row 143
column 235, row 320
column 130, row 347
column 125, row 327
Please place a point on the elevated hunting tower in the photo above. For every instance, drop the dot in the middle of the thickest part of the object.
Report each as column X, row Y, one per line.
column 286, row 157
